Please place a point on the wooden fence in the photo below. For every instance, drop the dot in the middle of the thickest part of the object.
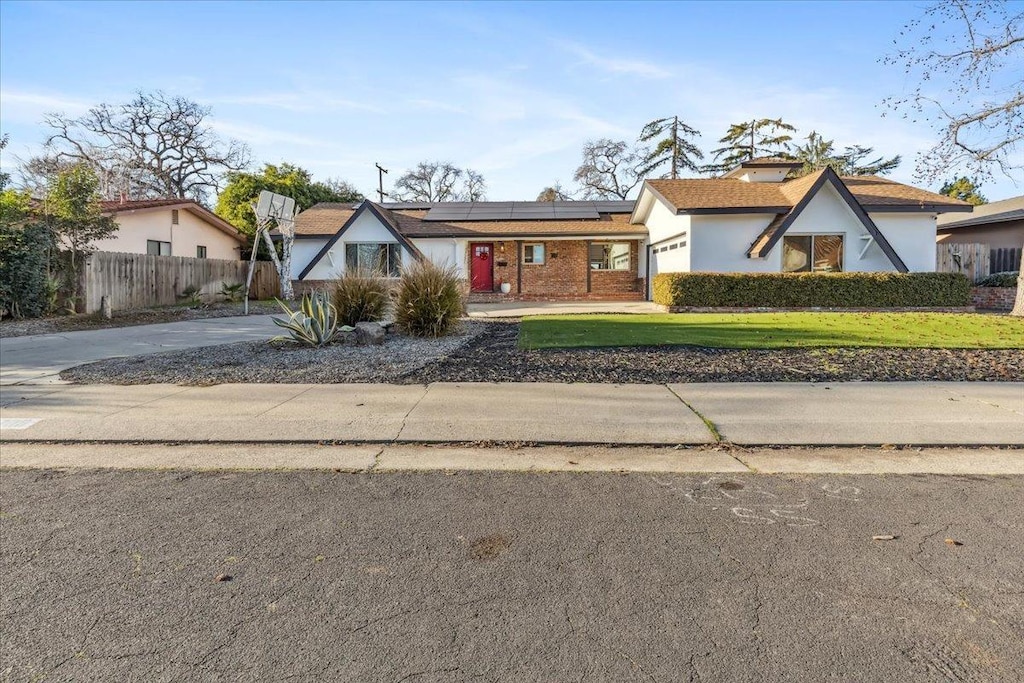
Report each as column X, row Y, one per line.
column 976, row 261
column 1004, row 259
column 141, row 281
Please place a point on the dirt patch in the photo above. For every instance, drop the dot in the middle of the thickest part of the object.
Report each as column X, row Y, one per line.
column 488, row 547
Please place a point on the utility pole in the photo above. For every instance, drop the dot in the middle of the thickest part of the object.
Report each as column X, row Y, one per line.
column 380, row 180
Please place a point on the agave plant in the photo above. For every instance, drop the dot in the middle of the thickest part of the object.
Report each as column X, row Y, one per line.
column 314, row 324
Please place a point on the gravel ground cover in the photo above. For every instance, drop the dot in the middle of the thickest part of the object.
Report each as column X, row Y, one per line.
column 488, row 352
column 494, row 357
column 146, row 316
column 279, row 362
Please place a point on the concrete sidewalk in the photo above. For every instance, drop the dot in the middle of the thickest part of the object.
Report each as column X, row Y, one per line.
column 40, row 358
column 925, row 414
column 426, row 458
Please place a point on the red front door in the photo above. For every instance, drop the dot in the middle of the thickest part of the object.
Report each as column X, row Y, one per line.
column 481, row 268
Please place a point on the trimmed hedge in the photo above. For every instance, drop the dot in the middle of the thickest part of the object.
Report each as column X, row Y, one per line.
column 813, row 290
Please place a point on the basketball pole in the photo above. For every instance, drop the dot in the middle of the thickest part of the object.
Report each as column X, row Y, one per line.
column 261, row 224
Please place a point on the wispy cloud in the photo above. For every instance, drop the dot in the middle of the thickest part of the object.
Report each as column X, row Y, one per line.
column 30, row 107
column 295, row 101
column 257, row 135
column 616, row 64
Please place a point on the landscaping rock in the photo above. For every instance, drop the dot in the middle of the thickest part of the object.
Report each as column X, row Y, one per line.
column 367, row 334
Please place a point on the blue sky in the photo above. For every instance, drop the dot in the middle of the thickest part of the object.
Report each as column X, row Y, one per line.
column 511, row 90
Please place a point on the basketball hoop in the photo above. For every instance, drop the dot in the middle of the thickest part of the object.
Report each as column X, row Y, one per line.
column 272, row 208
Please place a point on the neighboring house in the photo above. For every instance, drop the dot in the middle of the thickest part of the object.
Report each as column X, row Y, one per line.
column 750, row 220
column 170, row 227
column 998, row 224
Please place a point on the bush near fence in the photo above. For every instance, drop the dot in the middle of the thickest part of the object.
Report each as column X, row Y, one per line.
column 812, row 290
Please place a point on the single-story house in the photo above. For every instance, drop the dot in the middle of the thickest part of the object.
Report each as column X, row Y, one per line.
column 170, row 227
column 997, row 224
column 753, row 219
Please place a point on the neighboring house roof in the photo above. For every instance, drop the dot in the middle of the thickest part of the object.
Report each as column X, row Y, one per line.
column 801, row 191
column 200, row 211
column 992, row 213
column 731, row 195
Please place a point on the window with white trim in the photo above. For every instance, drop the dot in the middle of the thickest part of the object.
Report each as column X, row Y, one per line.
column 812, row 254
column 533, row 254
column 609, row 256
column 381, row 258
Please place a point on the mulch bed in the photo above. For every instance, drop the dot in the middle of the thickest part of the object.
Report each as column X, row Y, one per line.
column 494, row 357
column 487, row 352
column 145, row 316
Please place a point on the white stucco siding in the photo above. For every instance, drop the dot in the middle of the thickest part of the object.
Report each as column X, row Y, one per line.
column 366, row 229
column 662, row 222
column 136, row 228
column 912, row 235
column 719, row 244
column 444, row 251
column 303, row 251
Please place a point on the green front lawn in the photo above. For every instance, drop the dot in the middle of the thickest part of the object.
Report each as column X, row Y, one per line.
column 775, row 330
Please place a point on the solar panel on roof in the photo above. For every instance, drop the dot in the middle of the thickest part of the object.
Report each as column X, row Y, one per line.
column 562, row 212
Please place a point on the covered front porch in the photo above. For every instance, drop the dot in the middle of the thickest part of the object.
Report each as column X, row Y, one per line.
column 545, row 269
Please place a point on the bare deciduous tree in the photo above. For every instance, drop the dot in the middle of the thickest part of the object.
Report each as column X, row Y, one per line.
column 609, row 169
column 965, row 56
column 554, row 193
column 153, row 146
column 440, row 181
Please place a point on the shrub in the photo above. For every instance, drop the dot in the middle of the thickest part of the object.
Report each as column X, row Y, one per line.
column 360, row 296
column 1005, row 279
column 430, row 300
column 314, row 324
column 24, row 257
column 813, row 290
column 234, row 292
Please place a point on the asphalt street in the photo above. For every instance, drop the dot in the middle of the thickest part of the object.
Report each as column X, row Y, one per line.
column 243, row 576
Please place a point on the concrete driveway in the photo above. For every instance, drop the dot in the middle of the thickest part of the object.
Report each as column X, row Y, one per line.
column 40, row 358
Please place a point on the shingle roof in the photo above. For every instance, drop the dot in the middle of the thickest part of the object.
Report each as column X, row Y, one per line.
column 136, row 204
column 116, row 207
column 326, row 219
column 995, row 212
column 725, row 194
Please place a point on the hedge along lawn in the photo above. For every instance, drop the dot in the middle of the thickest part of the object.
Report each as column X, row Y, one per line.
column 775, row 330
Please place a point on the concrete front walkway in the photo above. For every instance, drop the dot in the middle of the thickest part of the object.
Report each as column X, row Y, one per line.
column 40, row 358
column 925, row 414
column 518, row 309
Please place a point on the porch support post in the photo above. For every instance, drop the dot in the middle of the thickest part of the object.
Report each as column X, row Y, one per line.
column 586, row 257
column 519, row 266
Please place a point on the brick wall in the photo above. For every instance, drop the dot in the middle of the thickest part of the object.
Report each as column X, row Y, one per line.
column 563, row 275
column 994, row 298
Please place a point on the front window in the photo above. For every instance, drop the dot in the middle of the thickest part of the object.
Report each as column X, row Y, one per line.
column 812, row 254
column 383, row 258
column 533, row 254
column 609, row 256
column 200, row 251
column 158, row 248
